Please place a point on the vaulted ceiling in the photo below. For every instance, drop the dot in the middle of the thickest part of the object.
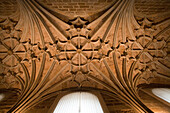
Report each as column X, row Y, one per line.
column 115, row 47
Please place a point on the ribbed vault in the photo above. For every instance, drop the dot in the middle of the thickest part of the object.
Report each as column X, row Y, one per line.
column 44, row 51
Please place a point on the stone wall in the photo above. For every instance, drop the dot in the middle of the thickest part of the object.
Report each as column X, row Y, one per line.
column 152, row 6
column 77, row 7
column 7, row 7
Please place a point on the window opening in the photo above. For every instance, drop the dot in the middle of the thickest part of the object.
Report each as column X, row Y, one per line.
column 163, row 93
column 79, row 102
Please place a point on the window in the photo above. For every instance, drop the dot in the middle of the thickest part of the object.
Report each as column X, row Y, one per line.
column 1, row 96
column 163, row 93
column 79, row 102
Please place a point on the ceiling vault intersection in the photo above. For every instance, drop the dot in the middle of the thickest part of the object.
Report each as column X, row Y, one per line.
column 42, row 53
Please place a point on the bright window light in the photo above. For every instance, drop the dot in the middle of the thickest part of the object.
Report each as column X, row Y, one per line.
column 163, row 93
column 79, row 102
column 1, row 96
